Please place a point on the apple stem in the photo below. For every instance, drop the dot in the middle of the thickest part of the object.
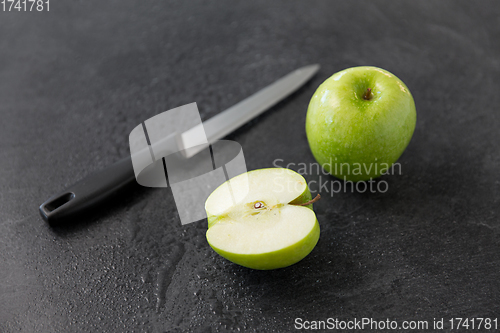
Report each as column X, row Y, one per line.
column 368, row 94
column 310, row 201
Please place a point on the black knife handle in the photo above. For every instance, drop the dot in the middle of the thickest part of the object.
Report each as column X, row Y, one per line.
column 88, row 192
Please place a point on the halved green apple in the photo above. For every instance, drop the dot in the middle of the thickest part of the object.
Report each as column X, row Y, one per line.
column 258, row 219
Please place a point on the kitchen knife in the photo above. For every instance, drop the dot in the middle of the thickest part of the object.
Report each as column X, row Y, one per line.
column 95, row 188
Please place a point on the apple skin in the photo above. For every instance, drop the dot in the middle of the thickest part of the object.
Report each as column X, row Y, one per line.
column 362, row 137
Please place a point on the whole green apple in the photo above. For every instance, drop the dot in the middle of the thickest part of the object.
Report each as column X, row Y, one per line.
column 359, row 122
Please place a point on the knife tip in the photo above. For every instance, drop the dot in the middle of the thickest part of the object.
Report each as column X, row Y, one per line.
column 309, row 70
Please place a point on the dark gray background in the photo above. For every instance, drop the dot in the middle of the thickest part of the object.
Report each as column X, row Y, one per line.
column 76, row 80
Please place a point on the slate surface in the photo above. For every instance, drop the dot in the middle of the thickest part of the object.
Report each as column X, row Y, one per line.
column 76, row 80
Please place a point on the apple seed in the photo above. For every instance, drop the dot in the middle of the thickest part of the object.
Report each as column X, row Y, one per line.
column 258, row 205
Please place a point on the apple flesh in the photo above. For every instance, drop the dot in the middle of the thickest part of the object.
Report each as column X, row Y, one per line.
column 264, row 227
column 359, row 122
